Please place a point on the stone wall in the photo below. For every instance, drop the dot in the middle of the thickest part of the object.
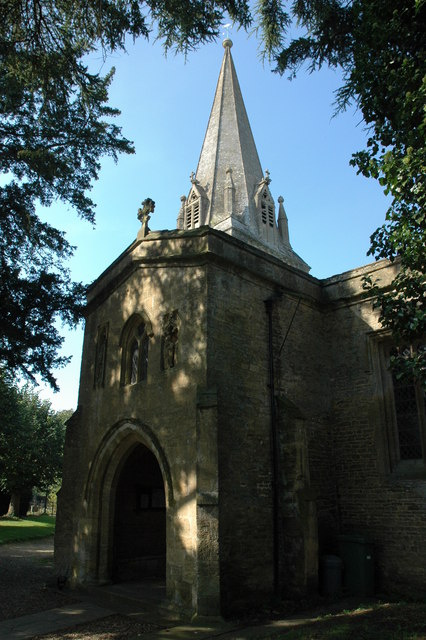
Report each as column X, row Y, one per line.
column 207, row 420
column 238, row 365
column 373, row 498
column 159, row 412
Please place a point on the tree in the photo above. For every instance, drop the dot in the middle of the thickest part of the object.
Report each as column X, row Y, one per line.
column 55, row 125
column 380, row 46
column 31, row 442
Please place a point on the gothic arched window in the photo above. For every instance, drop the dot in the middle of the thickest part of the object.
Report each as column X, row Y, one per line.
column 267, row 208
column 404, row 411
column 266, row 212
column 135, row 344
column 192, row 211
column 410, row 411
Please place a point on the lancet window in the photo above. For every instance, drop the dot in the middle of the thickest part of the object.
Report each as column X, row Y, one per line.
column 267, row 208
column 266, row 212
column 410, row 416
column 135, row 346
column 405, row 414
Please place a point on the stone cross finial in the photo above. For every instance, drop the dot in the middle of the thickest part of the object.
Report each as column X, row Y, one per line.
column 148, row 207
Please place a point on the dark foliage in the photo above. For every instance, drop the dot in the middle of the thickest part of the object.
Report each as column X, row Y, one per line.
column 380, row 46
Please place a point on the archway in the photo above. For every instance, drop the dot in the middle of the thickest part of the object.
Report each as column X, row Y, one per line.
column 139, row 537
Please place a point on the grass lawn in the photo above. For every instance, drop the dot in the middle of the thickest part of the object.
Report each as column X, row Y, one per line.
column 382, row 621
column 20, row 529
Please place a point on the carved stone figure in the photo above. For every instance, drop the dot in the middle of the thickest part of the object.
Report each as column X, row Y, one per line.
column 169, row 340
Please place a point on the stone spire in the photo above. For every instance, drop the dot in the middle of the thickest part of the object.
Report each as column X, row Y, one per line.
column 228, row 144
column 229, row 190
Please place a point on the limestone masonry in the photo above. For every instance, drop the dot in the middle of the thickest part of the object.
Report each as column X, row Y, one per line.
column 236, row 415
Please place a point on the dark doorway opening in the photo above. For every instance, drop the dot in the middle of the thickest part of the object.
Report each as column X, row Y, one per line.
column 140, row 519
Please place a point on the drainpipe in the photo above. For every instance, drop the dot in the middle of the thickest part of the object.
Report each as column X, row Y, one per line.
column 275, row 450
column 275, row 439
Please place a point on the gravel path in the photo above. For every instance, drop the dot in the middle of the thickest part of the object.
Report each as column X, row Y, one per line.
column 26, row 568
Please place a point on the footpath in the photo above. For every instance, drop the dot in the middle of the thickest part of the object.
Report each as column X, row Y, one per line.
column 62, row 618
column 29, row 608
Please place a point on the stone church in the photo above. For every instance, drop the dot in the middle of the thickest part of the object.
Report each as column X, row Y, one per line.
column 236, row 415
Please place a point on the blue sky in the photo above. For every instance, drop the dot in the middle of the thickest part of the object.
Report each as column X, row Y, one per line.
column 165, row 105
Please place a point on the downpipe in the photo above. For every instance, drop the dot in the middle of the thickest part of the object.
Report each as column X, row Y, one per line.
column 275, row 450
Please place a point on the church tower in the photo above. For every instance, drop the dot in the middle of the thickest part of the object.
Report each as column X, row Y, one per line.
column 168, row 470
column 231, row 417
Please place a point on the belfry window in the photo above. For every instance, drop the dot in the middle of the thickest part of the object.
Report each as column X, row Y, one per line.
column 135, row 343
column 267, row 209
column 192, row 211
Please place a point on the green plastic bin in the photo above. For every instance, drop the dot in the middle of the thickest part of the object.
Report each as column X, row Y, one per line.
column 331, row 576
column 357, row 553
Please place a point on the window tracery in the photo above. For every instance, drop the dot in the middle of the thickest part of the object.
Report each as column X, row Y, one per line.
column 134, row 362
column 410, row 415
column 135, row 346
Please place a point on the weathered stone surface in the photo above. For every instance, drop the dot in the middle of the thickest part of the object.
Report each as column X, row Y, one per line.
column 207, row 422
column 230, row 454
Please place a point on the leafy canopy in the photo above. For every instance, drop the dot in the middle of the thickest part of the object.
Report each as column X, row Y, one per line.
column 55, row 125
column 380, row 46
column 31, row 440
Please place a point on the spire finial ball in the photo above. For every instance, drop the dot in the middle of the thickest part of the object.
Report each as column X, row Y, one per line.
column 227, row 43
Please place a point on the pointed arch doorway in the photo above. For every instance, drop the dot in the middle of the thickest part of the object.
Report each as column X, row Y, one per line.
column 139, row 532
